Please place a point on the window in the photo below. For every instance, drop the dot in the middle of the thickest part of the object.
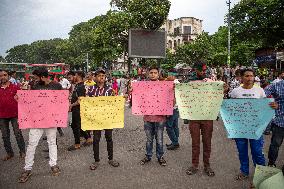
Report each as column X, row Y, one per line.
column 186, row 29
column 176, row 31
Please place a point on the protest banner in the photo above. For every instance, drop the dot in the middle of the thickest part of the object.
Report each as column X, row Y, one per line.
column 199, row 100
column 42, row 108
column 153, row 98
column 103, row 112
column 246, row 118
column 268, row 178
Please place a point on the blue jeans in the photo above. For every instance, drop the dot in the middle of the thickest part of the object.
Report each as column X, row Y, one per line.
column 154, row 129
column 256, row 152
column 172, row 127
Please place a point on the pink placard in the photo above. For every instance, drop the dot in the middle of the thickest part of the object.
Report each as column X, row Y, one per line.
column 43, row 108
column 153, row 98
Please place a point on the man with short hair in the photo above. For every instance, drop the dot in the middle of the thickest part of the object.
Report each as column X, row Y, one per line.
column 102, row 89
column 9, row 114
column 79, row 91
column 44, row 83
column 248, row 90
column 200, row 128
column 154, row 128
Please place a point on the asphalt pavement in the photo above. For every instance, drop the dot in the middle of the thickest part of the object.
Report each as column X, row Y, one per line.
column 129, row 149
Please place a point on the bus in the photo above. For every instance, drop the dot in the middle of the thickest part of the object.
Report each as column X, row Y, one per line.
column 25, row 69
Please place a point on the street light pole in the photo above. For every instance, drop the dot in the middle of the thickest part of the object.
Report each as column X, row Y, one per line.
column 229, row 33
column 87, row 61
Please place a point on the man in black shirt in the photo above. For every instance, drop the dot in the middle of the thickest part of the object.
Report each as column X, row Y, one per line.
column 79, row 91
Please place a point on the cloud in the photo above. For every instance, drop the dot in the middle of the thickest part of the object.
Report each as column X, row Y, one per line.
column 25, row 21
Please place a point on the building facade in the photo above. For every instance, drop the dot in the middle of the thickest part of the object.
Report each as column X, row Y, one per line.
column 181, row 31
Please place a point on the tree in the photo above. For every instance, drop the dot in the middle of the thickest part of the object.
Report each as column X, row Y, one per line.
column 2, row 59
column 19, row 53
column 146, row 14
column 261, row 20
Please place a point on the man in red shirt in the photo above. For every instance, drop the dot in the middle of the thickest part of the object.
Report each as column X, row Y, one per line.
column 9, row 113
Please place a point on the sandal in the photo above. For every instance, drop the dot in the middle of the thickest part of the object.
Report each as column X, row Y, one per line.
column 87, row 143
column 162, row 161
column 113, row 163
column 241, row 176
column 251, row 186
column 209, row 172
column 72, row 148
column 192, row 170
column 55, row 170
column 94, row 166
column 25, row 176
column 7, row 157
column 22, row 155
column 145, row 160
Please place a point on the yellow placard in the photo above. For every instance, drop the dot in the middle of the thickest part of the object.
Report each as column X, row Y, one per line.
column 104, row 112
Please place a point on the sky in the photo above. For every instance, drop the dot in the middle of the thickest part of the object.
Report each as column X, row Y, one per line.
column 25, row 21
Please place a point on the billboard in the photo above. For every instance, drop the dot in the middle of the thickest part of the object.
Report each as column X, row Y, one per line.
column 147, row 43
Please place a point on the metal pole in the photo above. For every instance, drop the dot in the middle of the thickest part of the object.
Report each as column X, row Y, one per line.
column 229, row 33
column 87, row 60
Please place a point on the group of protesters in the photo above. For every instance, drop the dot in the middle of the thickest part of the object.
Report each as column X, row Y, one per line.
column 241, row 85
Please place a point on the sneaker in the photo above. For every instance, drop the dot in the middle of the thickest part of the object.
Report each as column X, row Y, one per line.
column 55, row 170
column 145, row 160
column 162, row 161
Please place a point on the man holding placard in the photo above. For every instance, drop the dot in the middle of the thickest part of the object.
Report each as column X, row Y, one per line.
column 35, row 134
column 198, row 126
column 101, row 89
column 248, row 90
column 154, row 127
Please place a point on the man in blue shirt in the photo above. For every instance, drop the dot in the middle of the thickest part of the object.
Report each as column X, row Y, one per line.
column 277, row 91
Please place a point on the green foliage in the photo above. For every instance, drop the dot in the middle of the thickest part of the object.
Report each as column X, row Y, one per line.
column 147, row 14
column 259, row 20
column 2, row 59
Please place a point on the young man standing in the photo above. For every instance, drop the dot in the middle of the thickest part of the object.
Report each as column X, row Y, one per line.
column 154, row 128
column 44, row 83
column 9, row 113
column 248, row 90
column 79, row 91
column 172, row 123
column 277, row 91
column 199, row 128
column 101, row 89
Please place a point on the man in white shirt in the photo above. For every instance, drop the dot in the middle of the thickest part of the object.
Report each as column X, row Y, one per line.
column 248, row 90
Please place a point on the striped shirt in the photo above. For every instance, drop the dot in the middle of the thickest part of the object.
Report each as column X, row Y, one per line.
column 94, row 91
column 277, row 91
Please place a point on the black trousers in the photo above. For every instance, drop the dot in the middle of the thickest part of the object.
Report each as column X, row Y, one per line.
column 76, row 127
column 4, row 127
column 276, row 141
column 96, row 144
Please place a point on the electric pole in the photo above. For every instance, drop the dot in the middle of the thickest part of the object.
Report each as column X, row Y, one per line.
column 229, row 33
column 87, row 61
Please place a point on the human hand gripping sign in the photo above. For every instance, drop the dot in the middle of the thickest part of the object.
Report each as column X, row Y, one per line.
column 274, row 105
